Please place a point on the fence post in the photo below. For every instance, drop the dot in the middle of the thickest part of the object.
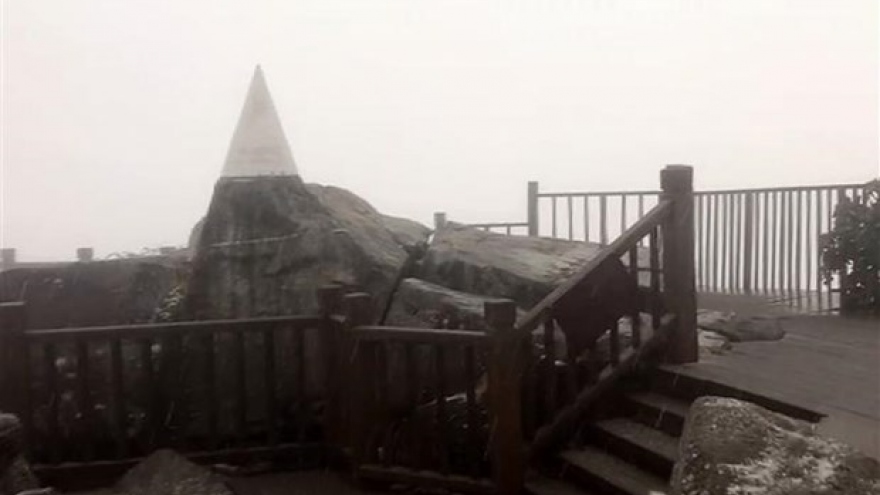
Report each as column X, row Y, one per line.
column 14, row 353
column 357, row 371
column 330, row 304
column 748, row 241
column 676, row 182
column 439, row 220
column 506, row 361
column 532, row 213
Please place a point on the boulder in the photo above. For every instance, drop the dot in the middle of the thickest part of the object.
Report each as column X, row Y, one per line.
column 739, row 328
column 268, row 244
column 166, row 472
column 524, row 269
column 735, row 447
column 107, row 292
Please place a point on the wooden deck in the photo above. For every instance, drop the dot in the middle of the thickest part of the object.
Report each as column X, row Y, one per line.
column 825, row 363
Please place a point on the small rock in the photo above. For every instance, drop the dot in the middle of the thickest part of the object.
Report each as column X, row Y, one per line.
column 166, row 472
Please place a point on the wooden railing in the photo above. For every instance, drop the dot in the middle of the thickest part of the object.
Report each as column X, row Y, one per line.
column 764, row 240
column 212, row 389
column 668, row 229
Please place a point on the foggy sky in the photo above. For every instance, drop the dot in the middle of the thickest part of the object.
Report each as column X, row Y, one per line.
column 117, row 115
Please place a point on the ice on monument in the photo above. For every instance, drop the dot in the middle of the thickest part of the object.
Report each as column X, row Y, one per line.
column 259, row 146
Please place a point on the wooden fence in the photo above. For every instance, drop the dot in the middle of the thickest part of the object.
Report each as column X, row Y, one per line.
column 764, row 240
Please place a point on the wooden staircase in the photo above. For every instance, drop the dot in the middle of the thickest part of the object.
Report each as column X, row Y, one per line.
column 631, row 452
column 631, row 447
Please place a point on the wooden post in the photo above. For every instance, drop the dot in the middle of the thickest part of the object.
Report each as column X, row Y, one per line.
column 678, row 261
column 506, row 362
column 16, row 365
column 439, row 220
column 532, row 213
column 330, row 304
column 356, row 369
column 748, row 243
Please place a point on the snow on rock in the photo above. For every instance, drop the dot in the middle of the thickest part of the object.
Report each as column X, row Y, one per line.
column 733, row 447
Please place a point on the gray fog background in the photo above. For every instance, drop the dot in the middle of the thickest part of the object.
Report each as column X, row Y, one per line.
column 117, row 114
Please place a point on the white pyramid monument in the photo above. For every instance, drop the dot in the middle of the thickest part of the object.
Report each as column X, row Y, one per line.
column 259, row 146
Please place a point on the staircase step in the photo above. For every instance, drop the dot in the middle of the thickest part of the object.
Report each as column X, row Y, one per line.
column 542, row 485
column 634, row 442
column 605, row 473
column 659, row 411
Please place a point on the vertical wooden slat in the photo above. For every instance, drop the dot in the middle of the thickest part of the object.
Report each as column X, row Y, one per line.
column 622, row 214
column 614, row 344
column 654, row 241
column 570, row 218
column 641, row 214
column 725, row 242
column 765, row 237
column 774, row 242
column 474, row 446
column 701, row 259
column 210, row 377
column 550, row 383
column 239, row 385
column 412, row 375
column 586, row 218
column 789, row 254
column 50, row 355
column 603, row 219
column 84, row 400
column 151, row 392
column 716, row 262
column 749, row 244
column 269, row 381
column 798, row 246
column 819, row 215
column 736, row 199
column 118, row 398
column 808, row 242
column 636, row 321
column 442, row 420
column 553, row 213
column 829, row 224
column 842, row 275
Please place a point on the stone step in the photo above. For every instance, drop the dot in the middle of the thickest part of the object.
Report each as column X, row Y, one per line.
column 658, row 411
column 600, row 471
column 542, row 485
column 637, row 443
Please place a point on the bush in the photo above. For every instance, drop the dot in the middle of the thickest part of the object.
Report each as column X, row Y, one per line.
column 852, row 250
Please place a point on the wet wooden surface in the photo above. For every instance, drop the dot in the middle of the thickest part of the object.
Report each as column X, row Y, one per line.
column 826, row 363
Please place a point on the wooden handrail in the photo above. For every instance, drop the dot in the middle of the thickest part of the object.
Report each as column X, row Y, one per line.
column 158, row 329
column 421, row 335
column 618, row 248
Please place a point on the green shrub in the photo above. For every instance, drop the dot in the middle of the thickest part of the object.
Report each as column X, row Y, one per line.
column 852, row 249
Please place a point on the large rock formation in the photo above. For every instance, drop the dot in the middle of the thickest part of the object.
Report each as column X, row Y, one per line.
column 738, row 448
column 268, row 244
column 96, row 293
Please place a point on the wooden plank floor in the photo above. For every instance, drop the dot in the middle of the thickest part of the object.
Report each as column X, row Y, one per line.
column 826, row 363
